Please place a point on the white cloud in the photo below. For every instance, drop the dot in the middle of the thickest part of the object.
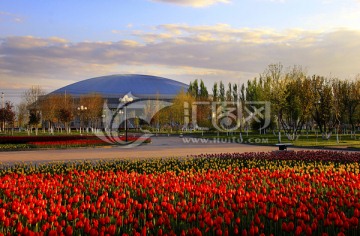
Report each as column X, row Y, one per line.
column 7, row 16
column 276, row 1
column 343, row 14
column 211, row 53
column 193, row 3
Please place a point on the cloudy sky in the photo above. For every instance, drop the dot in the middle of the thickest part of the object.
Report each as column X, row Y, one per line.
column 54, row 43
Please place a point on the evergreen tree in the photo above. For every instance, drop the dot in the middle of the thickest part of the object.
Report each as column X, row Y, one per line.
column 204, row 95
column 215, row 92
column 235, row 94
column 221, row 92
column 229, row 93
column 194, row 90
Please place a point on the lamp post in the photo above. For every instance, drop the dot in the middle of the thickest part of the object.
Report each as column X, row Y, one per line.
column 126, row 99
column 121, row 112
column 81, row 109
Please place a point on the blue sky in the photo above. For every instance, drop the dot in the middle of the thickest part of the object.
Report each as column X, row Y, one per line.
column 94, row 20
column 55, row 43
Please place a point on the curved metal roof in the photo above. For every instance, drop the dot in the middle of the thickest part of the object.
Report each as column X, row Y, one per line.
column 118, row 85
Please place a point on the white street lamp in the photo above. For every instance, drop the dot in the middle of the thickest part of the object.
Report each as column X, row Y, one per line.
column 126, row 99
column 81, row 109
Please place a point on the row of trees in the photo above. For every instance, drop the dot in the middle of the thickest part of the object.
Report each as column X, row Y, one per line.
column 53, row 111
column 298, row 102
column 58, row 110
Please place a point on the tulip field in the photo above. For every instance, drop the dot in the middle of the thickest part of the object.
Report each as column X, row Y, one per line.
column 275, row 193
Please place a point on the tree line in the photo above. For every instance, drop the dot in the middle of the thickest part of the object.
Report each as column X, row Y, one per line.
column 51, row 112
column 298, row 101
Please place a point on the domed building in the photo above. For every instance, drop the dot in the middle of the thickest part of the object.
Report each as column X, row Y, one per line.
column 113, row 88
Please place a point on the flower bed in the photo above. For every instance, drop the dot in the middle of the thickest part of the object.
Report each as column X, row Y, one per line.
column 60, row 141
column 14, row 147
column 49, row 138
column 69, row 143
column 232, row 194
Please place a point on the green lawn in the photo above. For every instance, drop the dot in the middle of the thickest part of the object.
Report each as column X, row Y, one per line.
column 304, row 140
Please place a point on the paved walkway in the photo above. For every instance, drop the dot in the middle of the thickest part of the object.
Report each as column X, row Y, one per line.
column 160, row 147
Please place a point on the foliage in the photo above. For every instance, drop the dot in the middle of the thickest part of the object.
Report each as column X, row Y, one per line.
column 22, row 115
column 296, row 110
column 7, row 115
column 215, row 92
column 65, row 115
column 235, row 94
column 34, row 117
column 298, row 101
column 193, row 89
column 32, row 96
column 57, row 110
column 323, row 111
column 221, row 92
column 177, row 110
column 94, row 103
column 229, row 93
column 203, row 93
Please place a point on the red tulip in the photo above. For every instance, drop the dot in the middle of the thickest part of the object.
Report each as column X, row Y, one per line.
column 69, row 231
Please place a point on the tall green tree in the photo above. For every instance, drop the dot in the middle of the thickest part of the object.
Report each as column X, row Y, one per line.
column 298, row 104
column 340, row 94
column 203, row 93
column 253, row 90
column 229, row 93
column 194, row 89
column 215, row 92
column 203, row 110
column 221, row 92
column 181, row 110
column 242, row 95
column 352, row 101
column 235, row 94
column 323, row 112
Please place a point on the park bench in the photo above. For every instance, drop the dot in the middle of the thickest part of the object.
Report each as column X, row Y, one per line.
column 283, row 146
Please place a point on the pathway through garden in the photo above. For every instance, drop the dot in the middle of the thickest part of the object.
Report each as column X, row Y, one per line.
column 159, row 147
